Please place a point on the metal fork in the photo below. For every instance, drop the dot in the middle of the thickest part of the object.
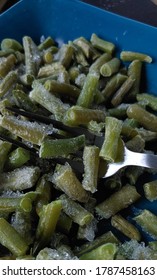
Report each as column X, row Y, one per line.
column 129, row 158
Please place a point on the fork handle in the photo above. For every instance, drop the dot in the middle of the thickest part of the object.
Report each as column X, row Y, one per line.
column 141, row 159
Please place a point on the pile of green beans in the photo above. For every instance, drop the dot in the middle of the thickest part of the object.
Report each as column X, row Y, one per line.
column 47, row 210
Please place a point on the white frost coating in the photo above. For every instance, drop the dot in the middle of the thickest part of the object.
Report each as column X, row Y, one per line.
column 20, row 178
column 53, row 254
column 133, row 250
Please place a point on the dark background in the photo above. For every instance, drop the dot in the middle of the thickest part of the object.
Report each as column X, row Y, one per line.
column 141, row 10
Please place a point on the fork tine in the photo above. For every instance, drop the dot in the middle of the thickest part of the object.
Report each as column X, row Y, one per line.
column 76, row 131
column 18, row 144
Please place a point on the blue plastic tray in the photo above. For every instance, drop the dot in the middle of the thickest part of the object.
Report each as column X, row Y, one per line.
column 68, row 19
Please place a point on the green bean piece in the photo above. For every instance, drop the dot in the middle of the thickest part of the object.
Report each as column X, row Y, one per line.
column 11, row 204
column 150, row 190
column 6, row 53
column 62, row 88
column 32, row 56
column 75, row 211
column 101, row 44
column 77, row 115
column 64, row 223
column 134, row 71
column 107, row 237
column 97, row 64
column 114, row 182
column 6, row 65
column 87, row 48
column 11, row 239
column 145, row 118
column 79, row 55
column 47, row 43
column 122, row 91
column 43, row 188
column 148, row 222
column 11, row 44
column 48, row 57
column 49, row 101
column 53, row 69
column 5, row 148
column 17, row 158
column 62, row 253
column 66, row 180
column 65, row 55
column 153, row 245
column 91, row 167
column 88, row 231
column 22, row 222
column 119, row 200
column 119, row 111
column 54, row 148
column 130, row 56
column 133, row 173
column 47, row 223
column 29, row 131
column 95, row 126
column 110, row 146
column 148, row 100
column 103, row 252
column 23, row 101
column 19, row 179
column 125, row 227
column 74, row 73
column 88, row 91
column 27, row 79
column 7, row 83
column 112, row 85
column 111, row 67
column 136, row 144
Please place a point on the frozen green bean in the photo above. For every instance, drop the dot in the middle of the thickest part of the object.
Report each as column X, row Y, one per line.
column 65, row 90
column 102, row 44
column 125, row 227
column 145, row 118
column 103, row 252
column 66, row 180
column 11, row 239
column 47, row 43
column 9, row 43
column 17, row 158
column 54, row 148
column 29, row 131
column 130, row 56
column 110, row 67
column 112, row 85
column 48, row 100
column 7, row 64
column 88, row 91
column 110, row 146
column 91, row 167
column 117, row 201
column 75, row 211
column 87, row 48
column 121, row 93
column 77, row 115
column 150, row 190
column 47, row 223
column 148, row 221
column 5, row 148
column 148, row 100
column 9, row 80
column 32, row 56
